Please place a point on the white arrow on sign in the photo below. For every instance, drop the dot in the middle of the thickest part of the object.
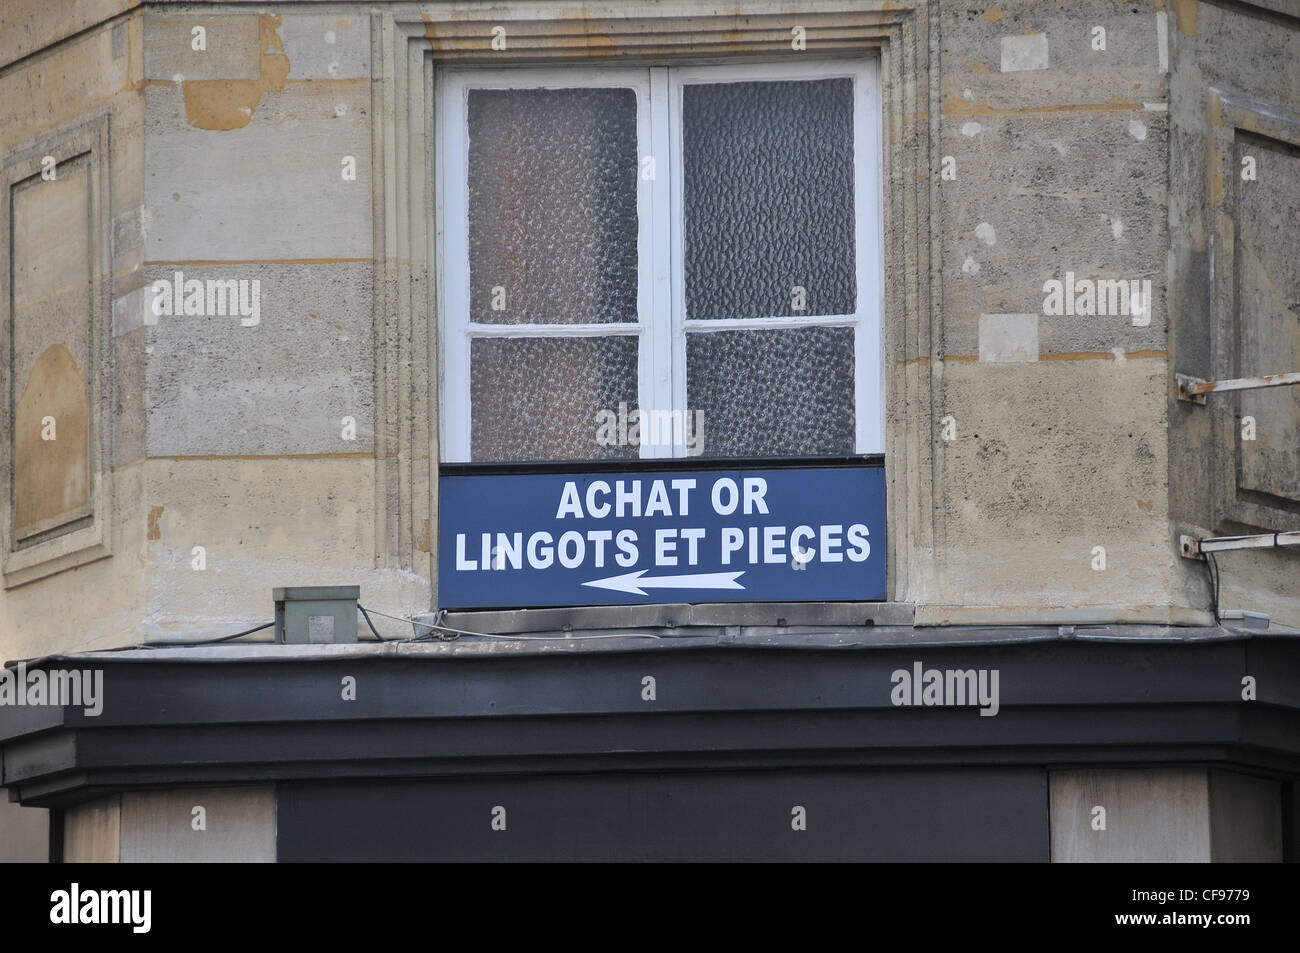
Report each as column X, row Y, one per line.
column 632, row 581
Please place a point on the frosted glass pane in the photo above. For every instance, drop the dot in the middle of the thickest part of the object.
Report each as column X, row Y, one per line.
column 768, row 198
column 552, row 205
column 773, row 393
column 538, row 398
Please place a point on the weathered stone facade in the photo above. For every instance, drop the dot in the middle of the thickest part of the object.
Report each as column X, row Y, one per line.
column 1077, row 139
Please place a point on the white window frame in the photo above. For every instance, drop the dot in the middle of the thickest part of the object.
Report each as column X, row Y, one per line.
column 660, row 326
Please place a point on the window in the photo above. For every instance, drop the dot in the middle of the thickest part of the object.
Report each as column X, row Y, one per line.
column 660, row 262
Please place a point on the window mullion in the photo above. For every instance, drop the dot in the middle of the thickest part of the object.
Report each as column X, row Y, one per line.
column 677, row 299
column 660, row 325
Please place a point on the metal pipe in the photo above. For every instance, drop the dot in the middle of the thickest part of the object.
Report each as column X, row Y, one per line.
column 1195, row 389
column 1195, row 547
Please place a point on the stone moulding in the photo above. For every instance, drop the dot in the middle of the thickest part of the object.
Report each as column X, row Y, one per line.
column 86, row 535
column 410, row 43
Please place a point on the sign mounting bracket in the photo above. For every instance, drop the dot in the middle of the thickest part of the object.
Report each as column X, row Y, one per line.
column 1194, row 390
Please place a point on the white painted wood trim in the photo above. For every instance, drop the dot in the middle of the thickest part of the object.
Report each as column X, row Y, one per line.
column 659, row 394
column 868, row 184
column 551, row 330
column 771, row 324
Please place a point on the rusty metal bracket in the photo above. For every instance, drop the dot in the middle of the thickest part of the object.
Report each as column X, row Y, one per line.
column 1190, row 547
column 1194, row 390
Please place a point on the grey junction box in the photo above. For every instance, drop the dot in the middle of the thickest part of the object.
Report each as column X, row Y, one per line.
column 316, row 614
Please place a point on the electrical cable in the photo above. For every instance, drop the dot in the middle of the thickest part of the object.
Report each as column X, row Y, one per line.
column 431, row 626
column 413, row 623
column 227, row 638
column 511, row 637
column 224, row 638
column 378, row 637
column 395, row 618
column 552, row 638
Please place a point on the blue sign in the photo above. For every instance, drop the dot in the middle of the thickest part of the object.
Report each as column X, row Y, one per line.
column 569, row 539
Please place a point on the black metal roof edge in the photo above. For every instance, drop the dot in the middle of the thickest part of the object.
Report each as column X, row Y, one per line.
column 1058, row 703
column 828, row 638
column 167, row 693
column 277, row 758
